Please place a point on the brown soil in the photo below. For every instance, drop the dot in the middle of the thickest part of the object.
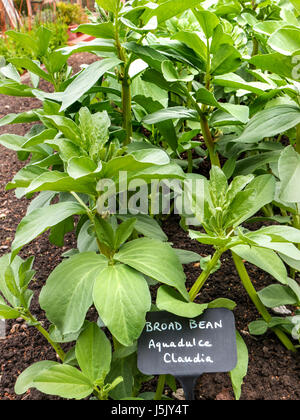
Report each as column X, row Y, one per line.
column 273, row 371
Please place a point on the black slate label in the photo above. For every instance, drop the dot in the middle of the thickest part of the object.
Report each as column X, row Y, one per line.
column 188, row 347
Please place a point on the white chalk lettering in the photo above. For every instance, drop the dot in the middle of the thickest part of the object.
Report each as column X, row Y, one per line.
column 205, row 325
column 172, row 358
column 164, row 326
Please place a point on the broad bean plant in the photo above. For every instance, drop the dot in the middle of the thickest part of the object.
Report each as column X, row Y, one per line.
column 175, row 87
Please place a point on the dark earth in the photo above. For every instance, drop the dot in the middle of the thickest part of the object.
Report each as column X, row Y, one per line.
column 273, row 372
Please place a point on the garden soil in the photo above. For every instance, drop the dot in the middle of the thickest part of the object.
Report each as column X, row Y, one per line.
column 273, row 372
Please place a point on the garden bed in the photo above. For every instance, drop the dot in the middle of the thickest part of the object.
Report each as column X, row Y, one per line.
column 273, row 371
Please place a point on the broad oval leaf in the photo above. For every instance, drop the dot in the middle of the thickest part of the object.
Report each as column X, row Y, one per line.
column 289, row 173
column 85, row 80
column 285, row 40
column 155, row 259
column 40, row 220
column 269, row 123
column 93, row 353
column 65, row 381
column 25, row 380
column 122, row 298
column 171, row 301
column 266, row 259
column 67, row 295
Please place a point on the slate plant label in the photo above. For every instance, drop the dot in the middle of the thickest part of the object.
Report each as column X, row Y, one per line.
column 188, row 347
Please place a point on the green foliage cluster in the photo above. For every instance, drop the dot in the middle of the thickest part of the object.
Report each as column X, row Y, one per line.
column 13, row 48
column 70, row 14
column 177, row 84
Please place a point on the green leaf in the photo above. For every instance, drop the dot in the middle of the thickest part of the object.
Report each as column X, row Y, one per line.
column 15, row 265
column 266, row 259
column 94, row 131
column 13, row 142
column 227, row 59
column 171, row 8
column 222, row 303
column 173, row 113
column 26, row 379
column 122, row 299
column 258, row 193
column 7, row 312
column 31, row 66
column 93, row 353
column 250, row 164
column 166, row 128
column 277, row 295
column 79, row 167
column 154, row 259
column 104, row 231
column 217, row 186
column 12, row 88
column 41, row 220
column 275, row 63
column 286, row 41
column 123, row 232
column 39, row 138
column 203, row 238
column 147, row 226
column 67, row 127
column 171, row 301
column 67, row 295
column 240, row 371
column 60, row 181
column 27, row 41
column 235, row 81
column 135, row 162
column 281, row 233
column 125, row 367
column 24, row 117
column 65, row 381
column 259, row 327
column 109, row 5
column 98, row 30
column 86, row 80
column 269, row 123
column 289, row 173
column 207, row 20
column 187, row 257
column 171, row 74
column 193, row 41
column 239, row 112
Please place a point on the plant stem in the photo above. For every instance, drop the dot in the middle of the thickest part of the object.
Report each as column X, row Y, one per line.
column 197, row 286
column 126, row 106
column 214, row 158
column 160, row 387
column 59, row 351
column 208, row 139
column 126, row 85
column 190, row 161
column 246, row 281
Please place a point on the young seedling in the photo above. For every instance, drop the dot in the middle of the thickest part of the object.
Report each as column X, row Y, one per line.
column 226, row 208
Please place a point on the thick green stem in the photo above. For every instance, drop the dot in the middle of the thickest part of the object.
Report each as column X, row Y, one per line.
column 34, row 322
column 214, row 158
column 126, row 85
column 206, row 133
column 190, row 161
column 197, row 286
column 246, row 281
column 126, row 106
column 160, row 387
